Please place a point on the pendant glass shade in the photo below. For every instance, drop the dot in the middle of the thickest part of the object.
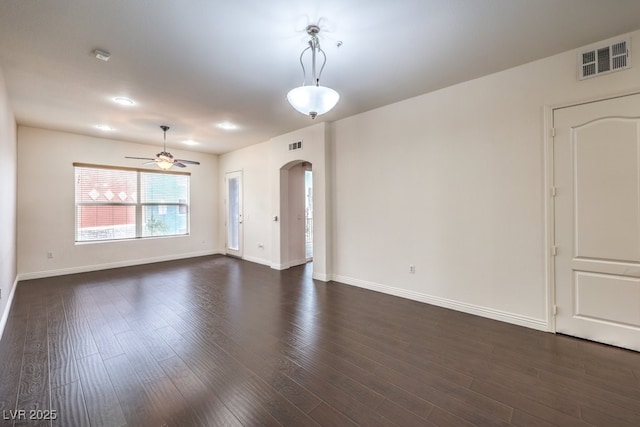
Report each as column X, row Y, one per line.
column 313, row 100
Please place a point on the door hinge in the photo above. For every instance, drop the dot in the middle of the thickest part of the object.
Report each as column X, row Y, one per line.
column 555, row 310
column 553, row 132
column 554, row 250
column 553, row 191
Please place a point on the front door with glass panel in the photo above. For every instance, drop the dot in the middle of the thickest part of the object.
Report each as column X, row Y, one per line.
column 233, row 184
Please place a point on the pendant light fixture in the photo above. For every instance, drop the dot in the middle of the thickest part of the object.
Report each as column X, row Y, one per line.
column 313, row 99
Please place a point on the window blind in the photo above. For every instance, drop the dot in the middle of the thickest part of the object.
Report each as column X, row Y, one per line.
column 113, row 203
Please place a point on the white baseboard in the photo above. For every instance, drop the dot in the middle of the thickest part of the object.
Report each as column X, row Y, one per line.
column 503, row 316
column 107, row 266
column 297, row 262
column 322, row 277
column 7, row 308
column 289, row 264
column 257, row 260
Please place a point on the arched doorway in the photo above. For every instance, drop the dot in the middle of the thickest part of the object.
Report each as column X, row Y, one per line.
column 296, row 213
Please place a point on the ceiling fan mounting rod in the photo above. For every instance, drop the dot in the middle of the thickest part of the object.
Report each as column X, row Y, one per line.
column 165, row 128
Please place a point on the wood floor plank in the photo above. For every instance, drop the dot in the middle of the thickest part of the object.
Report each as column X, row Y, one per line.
column 529, row 406
column 136, row 406
column 220, row 341
column 115, row 321
column 444, row 418
column 454, row 400
column 81, row 336
column 34, row 388
column 103, row 407
column 62, row 360
column 106, row 342
column 523, row 385
column 272, row 367
column 171, row 406
column 326, row 415
column 275, row 404
column 399, row 396
column 207, row 406
column 339, row 399
column 524, row 419
column 324, row 368
column 68, row 403
column 593, row 389
column 399, row 415
column 599, row 418
column 11, row 351
column 142, row 361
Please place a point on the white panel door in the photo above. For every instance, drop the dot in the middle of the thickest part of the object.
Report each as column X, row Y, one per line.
column 233, row 214
column 597, row 221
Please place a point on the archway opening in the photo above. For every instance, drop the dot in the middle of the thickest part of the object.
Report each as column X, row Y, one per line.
column 296, row 210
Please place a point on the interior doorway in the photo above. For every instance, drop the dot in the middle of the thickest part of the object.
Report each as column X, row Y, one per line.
column 296, row 210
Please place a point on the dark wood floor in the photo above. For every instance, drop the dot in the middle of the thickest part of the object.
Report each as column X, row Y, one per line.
column 217, row 341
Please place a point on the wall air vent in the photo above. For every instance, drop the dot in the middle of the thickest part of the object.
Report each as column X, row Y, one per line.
column 295, row 145
column 604, row 58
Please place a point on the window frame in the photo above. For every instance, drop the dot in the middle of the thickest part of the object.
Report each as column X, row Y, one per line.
column 183, row 209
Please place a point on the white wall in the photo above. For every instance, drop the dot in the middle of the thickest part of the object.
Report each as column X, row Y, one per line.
column 261, row 165
column 8, row 166
column 453, row 182
column 46, row 206
column 315, row 150
column 253, row 162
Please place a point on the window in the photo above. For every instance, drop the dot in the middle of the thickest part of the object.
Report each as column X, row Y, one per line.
column 123, row 203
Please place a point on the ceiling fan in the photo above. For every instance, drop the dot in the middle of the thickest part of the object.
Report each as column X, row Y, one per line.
column 164, row 159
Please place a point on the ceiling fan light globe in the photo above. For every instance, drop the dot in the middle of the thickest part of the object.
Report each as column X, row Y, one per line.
column 164, row 165
column 313, row 100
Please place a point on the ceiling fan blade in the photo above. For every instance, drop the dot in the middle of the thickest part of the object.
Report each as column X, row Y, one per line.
column 180, row 165
column 138, row 158
column 152, row 162
column 189, row 162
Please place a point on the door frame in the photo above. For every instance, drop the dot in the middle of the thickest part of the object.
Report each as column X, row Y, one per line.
column 232, row 252
column 549, row 191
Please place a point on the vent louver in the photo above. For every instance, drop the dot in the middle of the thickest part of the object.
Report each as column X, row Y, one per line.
column 604, row 59
column 295, row 146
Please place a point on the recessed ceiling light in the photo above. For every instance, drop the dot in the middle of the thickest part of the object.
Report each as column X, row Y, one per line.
column 190, row 142
column 227, row 126
column 123, row 101
column 105, row 128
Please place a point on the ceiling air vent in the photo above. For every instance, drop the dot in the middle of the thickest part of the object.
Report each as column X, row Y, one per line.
column 604, row 58
column 295, row 145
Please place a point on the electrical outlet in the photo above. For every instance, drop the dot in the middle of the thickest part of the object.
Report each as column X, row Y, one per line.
column 49, row 255
column 412, row 269
column 260, row 246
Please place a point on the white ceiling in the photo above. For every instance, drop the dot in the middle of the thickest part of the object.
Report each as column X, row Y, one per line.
column 191, row 64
